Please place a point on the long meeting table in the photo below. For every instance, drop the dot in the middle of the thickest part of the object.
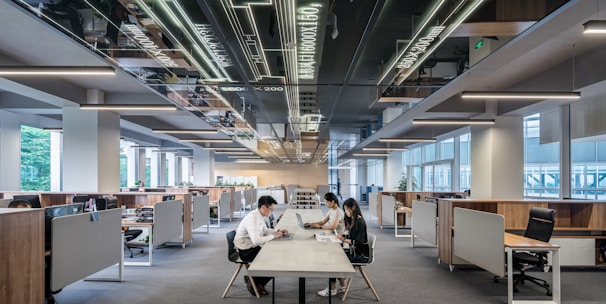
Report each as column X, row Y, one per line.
column 302, row 256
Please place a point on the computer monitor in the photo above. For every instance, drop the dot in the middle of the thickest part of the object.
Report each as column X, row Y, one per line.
column 33, row 199
column 168, row 198
column 80, row 198
column 62, row 210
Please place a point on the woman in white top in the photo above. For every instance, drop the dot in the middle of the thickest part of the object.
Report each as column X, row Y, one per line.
column 334, row 216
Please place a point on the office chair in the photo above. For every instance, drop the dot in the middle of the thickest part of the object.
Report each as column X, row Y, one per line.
column 540, row 227
column 359, row 266
column 129, row 235
column 233, row 256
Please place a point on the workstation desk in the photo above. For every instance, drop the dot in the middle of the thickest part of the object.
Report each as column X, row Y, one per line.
column 303, row 256
column 480, row 239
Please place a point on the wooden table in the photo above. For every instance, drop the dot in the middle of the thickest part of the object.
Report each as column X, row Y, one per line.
column 401, row 210
column 303, row 256
column 131, row 222
column 515, row 242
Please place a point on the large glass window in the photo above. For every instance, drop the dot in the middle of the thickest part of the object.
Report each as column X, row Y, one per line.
column 541, row 156
column 588, row 171
column 35, row 159
column 465, row 162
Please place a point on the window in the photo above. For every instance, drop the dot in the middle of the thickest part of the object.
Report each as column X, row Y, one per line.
column 541, row 156
column 35, row 159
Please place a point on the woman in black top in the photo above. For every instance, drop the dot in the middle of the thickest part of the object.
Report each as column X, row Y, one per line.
column 356, row 238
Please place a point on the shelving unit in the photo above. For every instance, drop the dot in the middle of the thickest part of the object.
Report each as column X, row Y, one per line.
column 304, row 198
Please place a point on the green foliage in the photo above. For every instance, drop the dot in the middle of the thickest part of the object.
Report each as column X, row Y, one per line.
column 35, row 159
column 403, row 184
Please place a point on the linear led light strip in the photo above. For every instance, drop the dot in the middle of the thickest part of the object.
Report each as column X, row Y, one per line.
column 56, row 70
column 520, row 95
column 450, row 121
column 237, row 28
column 407, row 140
column 161, row 25
column 422, row 26
column 193, row 29
column 184, row 131
column 371, row 154
column 383, row 149
column 443, row 37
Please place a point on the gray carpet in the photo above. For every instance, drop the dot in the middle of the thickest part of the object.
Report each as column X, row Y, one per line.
column 200, row 272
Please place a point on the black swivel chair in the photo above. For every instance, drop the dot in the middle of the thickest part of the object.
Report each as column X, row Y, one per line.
column 540, row 227
column 129, row 235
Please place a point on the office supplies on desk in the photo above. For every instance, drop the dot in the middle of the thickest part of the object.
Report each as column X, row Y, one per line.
column 145, row 214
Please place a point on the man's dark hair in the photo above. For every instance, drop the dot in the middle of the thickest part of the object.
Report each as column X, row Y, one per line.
column 266, row 200
column 19, row 204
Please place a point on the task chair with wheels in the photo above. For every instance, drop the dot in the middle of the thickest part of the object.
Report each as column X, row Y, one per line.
column 233, row 256
column 540, row 227
column 129, row 235
column 359, row 266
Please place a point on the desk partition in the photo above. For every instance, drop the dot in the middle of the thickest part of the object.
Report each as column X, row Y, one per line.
column 424, row 223
column 201, row 212
column 479, row 238
column 167, row 221
column 82, row 247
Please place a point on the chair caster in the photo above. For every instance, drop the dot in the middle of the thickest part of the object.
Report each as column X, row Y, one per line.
column 549, row 293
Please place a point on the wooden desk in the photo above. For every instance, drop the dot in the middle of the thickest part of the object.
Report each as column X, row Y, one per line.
column 405, row 211
column 303, row 256
column 515, row 242
column 480, row 239
column 130, row 222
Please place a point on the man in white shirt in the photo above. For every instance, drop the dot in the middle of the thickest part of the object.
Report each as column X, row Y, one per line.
column 252, row 233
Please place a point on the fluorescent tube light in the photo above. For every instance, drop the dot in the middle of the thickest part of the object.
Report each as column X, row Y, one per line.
column 383, row 149
column 245, row 156
column 520, row 95
column 184, row 131
column 128, row 107
column 206, row 140
column 594, row 27
column 450, row 121
column 234, row 152
column 406, row 140
column 225, row 149
column 56, row 70
column 399, row 99
column 251, row 161
column 371, row 154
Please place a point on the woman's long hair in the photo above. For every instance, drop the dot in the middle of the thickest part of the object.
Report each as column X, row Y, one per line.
column 356, row 213
column 331, row 197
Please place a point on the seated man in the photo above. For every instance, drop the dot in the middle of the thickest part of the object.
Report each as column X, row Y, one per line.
column 252, row 233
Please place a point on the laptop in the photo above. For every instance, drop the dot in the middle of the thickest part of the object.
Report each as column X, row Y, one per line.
column 301, row 223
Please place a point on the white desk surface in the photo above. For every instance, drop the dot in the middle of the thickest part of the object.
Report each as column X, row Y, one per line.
column 302, row 256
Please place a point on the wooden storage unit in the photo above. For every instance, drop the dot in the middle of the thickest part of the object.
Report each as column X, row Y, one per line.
column 578, row 223
column 304, row 198
column 22, row 255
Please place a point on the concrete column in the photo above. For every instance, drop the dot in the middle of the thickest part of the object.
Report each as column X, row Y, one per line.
column 154, row 169
column 497, row 159
column 172, row 180
column 10, row 152
column 162, row 168
column 204, row 167
column 140, row 165
column 565, row 153
column 131, row 163
column 91, row 146
column 55, row 160
column 393, row 171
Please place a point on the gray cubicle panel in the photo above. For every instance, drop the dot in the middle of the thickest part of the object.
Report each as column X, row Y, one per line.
column 387, row 209
column 424, row 221
column 479, row 238
column 225, row 205
column 372, row 204
column 82, row 247
column 201, row 211
column 238, row 200
column 168, row 222
column 4, row 202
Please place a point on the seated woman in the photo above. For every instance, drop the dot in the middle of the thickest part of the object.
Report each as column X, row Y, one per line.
column 355, row 236
column 334, row 216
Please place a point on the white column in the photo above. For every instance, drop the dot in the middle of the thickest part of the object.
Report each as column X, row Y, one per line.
column 154, row 169
column 140, row 164
column 131, row 163
column 10, row 152
column 56, row 145
column 393, row 171
column 91, row 146
column 497, row 160
column 171, row 181
column 162, row 169
column 204, row 167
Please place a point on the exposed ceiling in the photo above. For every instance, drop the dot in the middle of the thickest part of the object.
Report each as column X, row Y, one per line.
column 291, row 80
